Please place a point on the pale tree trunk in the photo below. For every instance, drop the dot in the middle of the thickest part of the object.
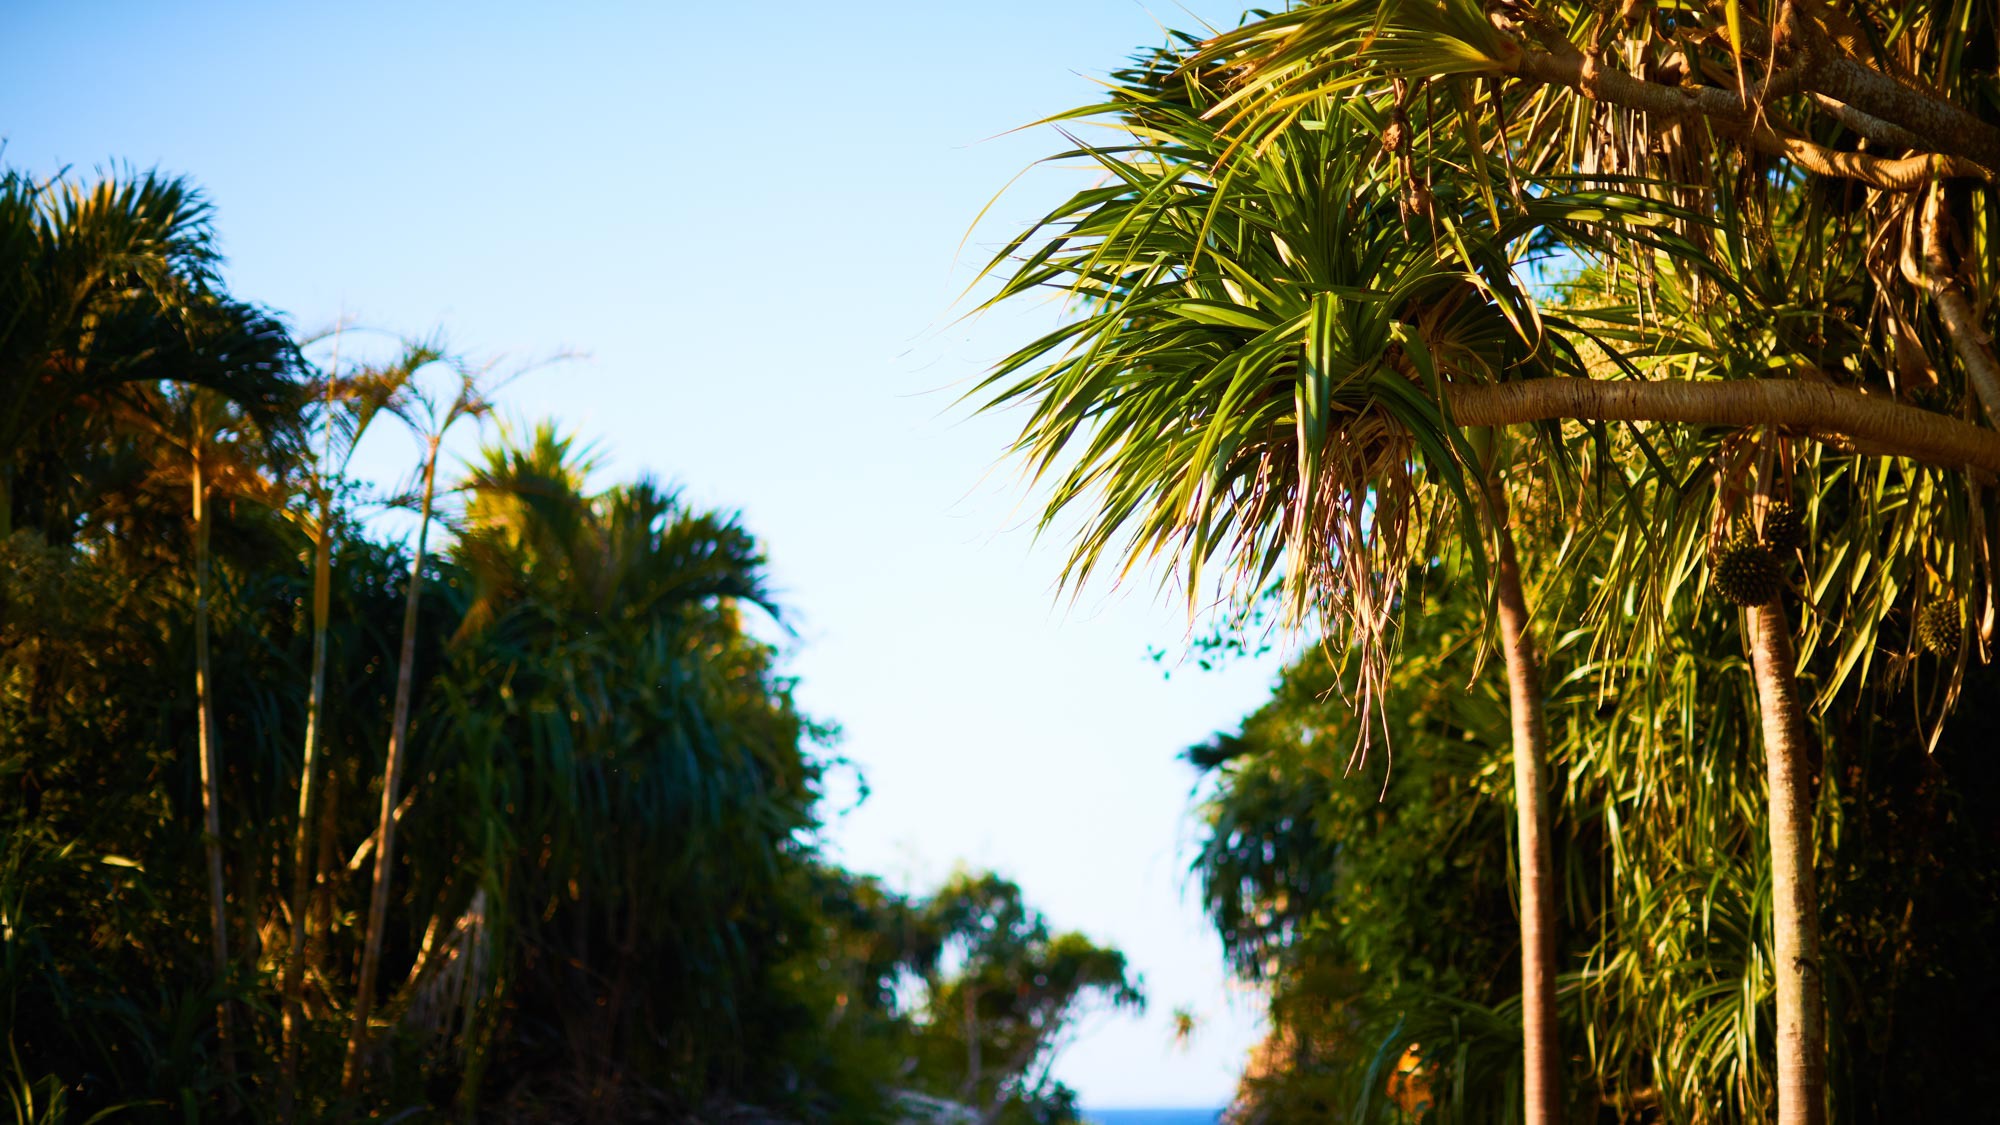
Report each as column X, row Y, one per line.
column 211, row 765
column 392, row 772
column 1795, row 900
column 1541, row 1044
column 302, row 850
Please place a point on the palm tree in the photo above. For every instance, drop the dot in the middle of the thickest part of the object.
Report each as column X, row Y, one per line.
column 348, row 404
column 642, row 742
column 1672, row 97
column 116, row 316
column 103, row 286
column 213, row 447
column 431, row 418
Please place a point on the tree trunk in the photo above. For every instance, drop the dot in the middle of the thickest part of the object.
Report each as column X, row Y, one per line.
column 969, row 1089
column 328, row 870
column 1795, row 901
column 392, row 772
column 211, row 766
column 1541, row 1045
column 1871, row 421
column 302, row 850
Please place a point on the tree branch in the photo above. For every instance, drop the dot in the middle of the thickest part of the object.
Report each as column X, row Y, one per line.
column 1946, row 128
column 1893, row 427
column 1865, row 125
column 1858, row 97
column 1961, row 324
column 1582, row 73
column 1567, row 66
column 1907, row 173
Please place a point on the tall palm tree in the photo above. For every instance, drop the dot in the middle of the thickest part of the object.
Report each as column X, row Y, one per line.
column 116, row 315
column 201, row 440
column 348, row 405
column 641, row 743
column 431, row 418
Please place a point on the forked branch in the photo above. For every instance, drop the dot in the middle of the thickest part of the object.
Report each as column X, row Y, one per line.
column 1958, row 144
column 1961, row 323
column 1577, row 71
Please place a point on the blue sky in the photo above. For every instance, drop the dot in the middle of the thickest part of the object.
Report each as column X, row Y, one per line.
column 749, row 219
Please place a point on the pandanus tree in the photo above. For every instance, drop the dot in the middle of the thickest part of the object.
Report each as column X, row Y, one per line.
column 1256, row 375
column 1862, row 131
column 1148, row 403
column 626, row 739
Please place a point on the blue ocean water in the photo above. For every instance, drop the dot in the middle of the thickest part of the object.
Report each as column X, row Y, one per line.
column 1152, row 1116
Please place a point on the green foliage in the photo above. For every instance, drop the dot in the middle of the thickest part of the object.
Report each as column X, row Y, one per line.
column 1250, row 380
column 1310, row 241
column 112, row 289
column 991, row 1025
column 1376, row 907
column 607, row 902
column 1366, row 898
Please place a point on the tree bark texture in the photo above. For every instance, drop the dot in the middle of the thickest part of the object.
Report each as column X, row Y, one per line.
column 1961, row 322
column 1885, row 425
column 1954, row 142
column 1795, row 899
column 1541, row 1041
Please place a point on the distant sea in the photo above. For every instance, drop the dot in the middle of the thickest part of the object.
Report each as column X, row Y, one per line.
column 1152, row 1116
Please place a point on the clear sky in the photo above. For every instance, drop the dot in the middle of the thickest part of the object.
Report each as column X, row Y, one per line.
column 749, row 217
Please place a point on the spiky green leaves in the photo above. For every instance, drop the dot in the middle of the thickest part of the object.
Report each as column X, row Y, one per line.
column 1748, row 573
column 1939, row 625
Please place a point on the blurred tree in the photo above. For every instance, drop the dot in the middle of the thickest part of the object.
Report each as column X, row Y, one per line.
column 106, row 286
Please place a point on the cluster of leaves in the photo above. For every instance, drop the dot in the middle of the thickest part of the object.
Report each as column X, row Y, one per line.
column 606, row 900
